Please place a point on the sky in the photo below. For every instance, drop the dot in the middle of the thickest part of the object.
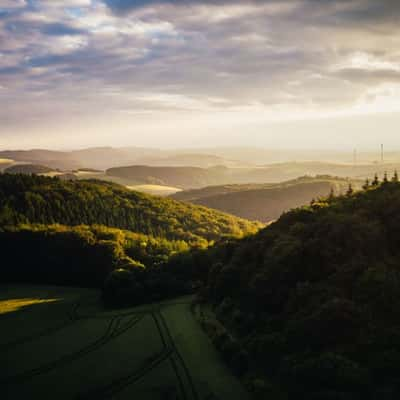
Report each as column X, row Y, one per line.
column 269, row 73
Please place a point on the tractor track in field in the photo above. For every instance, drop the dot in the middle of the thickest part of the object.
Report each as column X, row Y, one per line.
column 112, row 331
column 119, row 384
column 169, row 351
column 172, row 361
column 72, row 317
column 180, row 358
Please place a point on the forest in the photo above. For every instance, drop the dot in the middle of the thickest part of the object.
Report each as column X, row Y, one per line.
column 313, row 300
column 43, row 200
column 88, row 232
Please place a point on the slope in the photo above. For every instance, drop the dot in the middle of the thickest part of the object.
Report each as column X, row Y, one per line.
column 314, row 299
column 265, row 202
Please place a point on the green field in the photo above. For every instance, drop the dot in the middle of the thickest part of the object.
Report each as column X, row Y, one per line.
column 58, row 343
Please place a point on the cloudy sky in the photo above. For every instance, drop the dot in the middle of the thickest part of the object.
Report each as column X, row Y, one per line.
column 273, row 73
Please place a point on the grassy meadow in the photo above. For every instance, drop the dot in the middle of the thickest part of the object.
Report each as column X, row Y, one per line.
column 60, row 343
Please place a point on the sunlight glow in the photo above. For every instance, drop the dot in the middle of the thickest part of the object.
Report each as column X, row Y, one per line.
column 7, row 306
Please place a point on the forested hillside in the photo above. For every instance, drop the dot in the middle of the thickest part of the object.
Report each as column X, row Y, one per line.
column 42, row 200
column 66, row 232
column 266, row 202
column 314, row 299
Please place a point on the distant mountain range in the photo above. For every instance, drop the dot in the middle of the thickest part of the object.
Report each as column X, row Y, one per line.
column 108, row 157
column 151, row 169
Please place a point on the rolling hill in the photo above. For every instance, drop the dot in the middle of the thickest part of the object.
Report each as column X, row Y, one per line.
column 108, row 157
column 28, row 169
column 54, row 159
column 181, row 177
column 195, row 178
column 265, row 202
column 76, row 233
column 42, row 200
column 189, row 169
column 189, row 159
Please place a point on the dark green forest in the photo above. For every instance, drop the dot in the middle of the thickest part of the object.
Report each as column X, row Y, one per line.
column 313, row 300
column 82, row 255
column 88, row 232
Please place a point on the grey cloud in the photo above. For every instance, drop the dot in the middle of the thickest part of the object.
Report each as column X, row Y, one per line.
column 60, row 29
column 369, row 77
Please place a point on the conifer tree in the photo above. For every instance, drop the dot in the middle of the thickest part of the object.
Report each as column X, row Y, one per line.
column 366, row 184
column 385, row 178
column 395, row 178
column 350, row 190
column 375, row 182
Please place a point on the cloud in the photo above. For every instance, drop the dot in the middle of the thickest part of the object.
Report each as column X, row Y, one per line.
column 62, row 3
column 60, row 29
column 274, row 59
column 12, row 4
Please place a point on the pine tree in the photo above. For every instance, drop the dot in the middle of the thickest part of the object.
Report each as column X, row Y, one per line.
column 395, row 178
column 350, row 190
column 385, row 178
column 375, row 182
column 366, row 184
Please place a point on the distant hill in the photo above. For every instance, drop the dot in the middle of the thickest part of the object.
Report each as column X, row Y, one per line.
column 194, row 178
column 43, row 200
column 190, row 160
column 204, row 167
column 181, row 177
column 53, row 159
column 28, row 169
column 265, row 202
column 101, row 158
